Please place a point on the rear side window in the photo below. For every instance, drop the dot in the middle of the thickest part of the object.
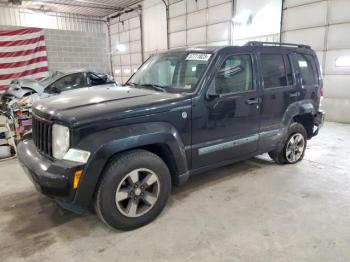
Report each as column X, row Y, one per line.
column 307, row 69
column 276, row 70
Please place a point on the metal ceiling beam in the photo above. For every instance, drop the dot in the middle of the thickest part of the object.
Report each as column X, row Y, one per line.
column 104, row 7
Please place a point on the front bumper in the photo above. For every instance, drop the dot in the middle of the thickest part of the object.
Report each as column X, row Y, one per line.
column 52, row 178
column 318, row 121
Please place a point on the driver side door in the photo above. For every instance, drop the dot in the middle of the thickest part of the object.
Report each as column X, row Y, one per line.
column 226, row 120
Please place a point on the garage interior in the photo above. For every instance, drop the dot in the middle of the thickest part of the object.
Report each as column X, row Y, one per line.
column 253, row 210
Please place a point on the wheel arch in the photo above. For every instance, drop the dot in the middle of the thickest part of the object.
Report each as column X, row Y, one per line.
column 301, row 112
column 307, row 121
column 161, row 139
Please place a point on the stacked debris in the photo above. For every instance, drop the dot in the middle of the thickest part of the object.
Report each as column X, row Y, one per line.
column 7, row 141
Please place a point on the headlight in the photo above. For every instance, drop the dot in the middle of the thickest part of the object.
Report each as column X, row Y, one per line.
column 60, row 141
column 77, row 155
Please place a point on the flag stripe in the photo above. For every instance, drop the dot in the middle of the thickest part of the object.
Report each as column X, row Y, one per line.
column 6, row 49
column 16, row 70
column 33, row 76
column 24, row 73
column 20, row 37
column 20, row 31
column 22, row 58
column 22, row 53
column 22, row 42
column 3, row 88
column 23, row 63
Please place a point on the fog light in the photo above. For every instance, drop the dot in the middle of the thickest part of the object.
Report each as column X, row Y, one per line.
column 76, row 180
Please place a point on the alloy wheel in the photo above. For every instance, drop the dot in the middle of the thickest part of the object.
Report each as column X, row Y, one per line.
column 295, row 147
column 137, row 192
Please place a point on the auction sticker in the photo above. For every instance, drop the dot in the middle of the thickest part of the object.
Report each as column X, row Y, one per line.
column 198, row 57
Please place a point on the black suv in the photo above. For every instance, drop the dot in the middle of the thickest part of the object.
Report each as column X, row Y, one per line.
column 183, row 112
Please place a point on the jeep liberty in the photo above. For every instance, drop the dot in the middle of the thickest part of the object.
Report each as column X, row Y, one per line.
column 185, row 111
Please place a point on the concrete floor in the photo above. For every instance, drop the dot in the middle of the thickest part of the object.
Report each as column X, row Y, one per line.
column 251, row 211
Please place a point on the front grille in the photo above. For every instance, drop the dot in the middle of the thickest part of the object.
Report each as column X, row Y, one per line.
column 42, row 135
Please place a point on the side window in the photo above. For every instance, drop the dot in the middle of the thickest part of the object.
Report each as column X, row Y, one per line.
column 274, row 71
column 69, row 82
column 235, row 75
column 306, row 69
column 96, row 79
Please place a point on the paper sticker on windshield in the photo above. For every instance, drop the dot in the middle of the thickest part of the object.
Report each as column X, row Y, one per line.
column 198, row 57
column 302, row 63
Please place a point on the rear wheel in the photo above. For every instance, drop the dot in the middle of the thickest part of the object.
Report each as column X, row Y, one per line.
column 134, row 190
column 294, row 146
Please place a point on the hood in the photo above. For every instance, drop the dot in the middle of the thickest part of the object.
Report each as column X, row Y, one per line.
column 19, row 87
column 85, row 105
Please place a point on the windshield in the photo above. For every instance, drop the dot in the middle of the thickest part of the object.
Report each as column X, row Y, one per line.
column 173, row 72
column 47, row 80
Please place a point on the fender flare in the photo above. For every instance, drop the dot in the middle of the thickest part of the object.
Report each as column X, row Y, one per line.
column 295, row 109
column 298, row 108
column 108, row 143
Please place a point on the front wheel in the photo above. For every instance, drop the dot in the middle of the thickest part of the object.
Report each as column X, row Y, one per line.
column 134, row 190
column 294, row 146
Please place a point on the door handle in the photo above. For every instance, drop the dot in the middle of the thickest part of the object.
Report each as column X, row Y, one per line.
column 252, row 101
column 294, row 94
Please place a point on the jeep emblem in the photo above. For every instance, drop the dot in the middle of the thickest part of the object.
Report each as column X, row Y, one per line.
column 184, row 115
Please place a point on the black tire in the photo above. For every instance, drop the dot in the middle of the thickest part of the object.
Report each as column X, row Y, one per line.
column 280, row 156
column 109, row 209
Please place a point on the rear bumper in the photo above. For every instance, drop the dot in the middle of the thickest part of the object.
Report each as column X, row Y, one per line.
column 51, row 178
column 318, row 121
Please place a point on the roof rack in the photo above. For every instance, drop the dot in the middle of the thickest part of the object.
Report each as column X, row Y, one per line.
column 258, row 43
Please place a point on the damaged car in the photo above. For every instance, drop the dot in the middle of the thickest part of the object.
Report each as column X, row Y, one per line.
column 55, row 84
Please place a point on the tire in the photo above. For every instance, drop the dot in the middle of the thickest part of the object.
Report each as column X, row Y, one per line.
column 297, row 133
column 119, row 190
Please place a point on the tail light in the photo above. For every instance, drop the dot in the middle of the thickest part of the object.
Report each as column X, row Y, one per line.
column 321, row 95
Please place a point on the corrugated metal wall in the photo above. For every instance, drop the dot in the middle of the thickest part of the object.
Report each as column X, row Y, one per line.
column 130, row 47
column 154, row 27
column 263, row 20
column 125, row 37
column 325, row 25
column 205, row 22
column 12, row 16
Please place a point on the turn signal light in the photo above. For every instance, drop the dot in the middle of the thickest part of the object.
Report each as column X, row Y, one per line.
column 76, row 180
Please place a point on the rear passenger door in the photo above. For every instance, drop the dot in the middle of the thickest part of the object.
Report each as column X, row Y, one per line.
column 279, row 90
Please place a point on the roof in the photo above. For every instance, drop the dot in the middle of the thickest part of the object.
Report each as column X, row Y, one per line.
column 99, row 8
column 248, row 46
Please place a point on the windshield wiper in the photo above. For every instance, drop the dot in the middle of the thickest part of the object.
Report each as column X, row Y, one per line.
column 153, row 86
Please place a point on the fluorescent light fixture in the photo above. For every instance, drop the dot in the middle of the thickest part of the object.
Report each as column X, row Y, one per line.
column 343, row 61
column 127, row 71
column 117, row 71
column 244, row 17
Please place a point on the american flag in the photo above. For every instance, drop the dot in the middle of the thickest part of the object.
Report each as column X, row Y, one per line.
column 22, row 54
